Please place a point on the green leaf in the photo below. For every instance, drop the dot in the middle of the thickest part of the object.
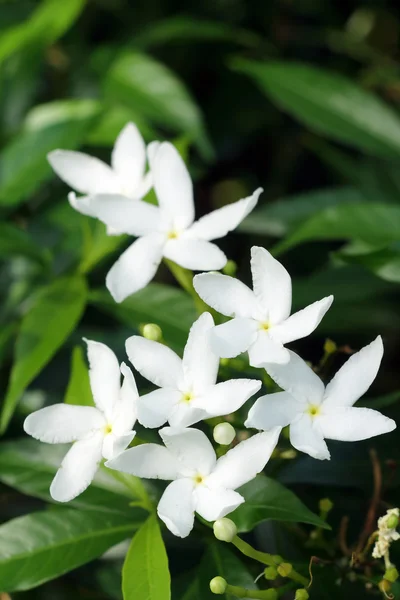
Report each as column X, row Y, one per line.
column 267, row 499
column 44, row 545
column 140, row 82
column 220, row 561
column 47, row 23
column 280, row 217
column 99, row 245
column 29, row 467
column 79, row 390
column 383, row 262
column 53, row 315
column 370, row 222
column 170, row 308
column 329, row 104
column 15, row 241
column 145, row 573
column 23, row 163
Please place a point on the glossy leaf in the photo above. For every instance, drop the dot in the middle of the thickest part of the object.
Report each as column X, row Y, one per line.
column 79, row 390
column 267, row 499
column 145, row 573
column 44, row 545
column 330, row 104
column 54, row 313
column 384, row 262
column 219, row 560
column 140, row 82
column 169, row 307
column 23, row 163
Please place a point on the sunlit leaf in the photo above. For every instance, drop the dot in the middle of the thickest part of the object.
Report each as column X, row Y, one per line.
column 79, row 390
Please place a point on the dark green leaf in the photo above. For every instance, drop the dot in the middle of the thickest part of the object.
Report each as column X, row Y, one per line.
column 23, row 163
column 267, row 499
column 54, row 313
column 384, row 262
column 140, row 82
column 99, row 245
column 329, row 104
column 170, row 308
column 79, row 390
column 220, row 561
column 44, row 545
column 145, row 573
column 16, row 241
column 280, row 217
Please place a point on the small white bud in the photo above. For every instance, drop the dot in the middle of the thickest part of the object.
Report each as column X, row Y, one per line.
column 152, row 332
column 224, row 529
column 224, row 434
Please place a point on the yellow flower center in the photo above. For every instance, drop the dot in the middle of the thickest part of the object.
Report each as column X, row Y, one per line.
column 108, row 429
column 172, row 235
column 264, row 325
column 187, row 397
column 313, row 410
column 198, row 479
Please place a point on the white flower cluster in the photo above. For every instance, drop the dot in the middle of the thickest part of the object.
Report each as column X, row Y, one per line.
column 187, row 389
column 386, row 534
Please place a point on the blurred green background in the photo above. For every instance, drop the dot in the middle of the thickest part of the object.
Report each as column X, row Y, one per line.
column 300, row 97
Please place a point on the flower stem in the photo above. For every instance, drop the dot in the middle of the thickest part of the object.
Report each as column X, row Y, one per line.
column 240, row 592
column 185, row 279
column 266, row 559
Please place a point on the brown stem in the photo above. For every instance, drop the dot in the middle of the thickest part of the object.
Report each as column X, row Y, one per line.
column 343, row 537
column 369, row 524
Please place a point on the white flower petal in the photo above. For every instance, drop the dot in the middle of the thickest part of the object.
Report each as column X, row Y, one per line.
column 128, row 158
column 136, row 267
column 266, row 349
column 105, row 376
column 155, row 408
column 125, row 409
column 62, row 423
column 197, row 255
column 145, row 185
column 306, row 436
column 244, row 461
column 233, row 338
column 356, row 375
column 156, row 362
column 125, row 215
column 271, row 284
column 219, row 222
column 200, row 364
column 82, row 204
column 77, row 469
column 227, row 295
column 191, row 447
column 273, row 410
column 113, row 444
column 302, row 323
column 186, row 414
column 176, row 507
column 150, row 461
column 152, row 149
column 213, row 504
column 349, row 424
column 227, row 397
column 84, row 173
column 172, row 184
column 297, row 378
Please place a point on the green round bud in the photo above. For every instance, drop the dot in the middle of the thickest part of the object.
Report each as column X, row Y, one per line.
column 224, row 529
column 330, row 347
column 224, row 434
column 301, row 595
column 284, row 569
column 270, row 573
column 218, row 585
column 224, row 362
column 385, row 586
column 288, row 454
column 391, row 574
column 152, row 332
column 392, row 522
column 325, row 505
column 277, row 558
column 230, row 268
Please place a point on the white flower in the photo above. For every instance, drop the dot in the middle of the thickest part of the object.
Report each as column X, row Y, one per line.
column 201, row 483
column 261, row 323
column 101, row 432
column 315, row 412
column 92, row 177
column 166, row 230
column 386, row 534
column 188, row 390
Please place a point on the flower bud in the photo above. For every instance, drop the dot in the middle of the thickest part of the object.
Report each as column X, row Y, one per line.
column 329, row 347
column 270, row 573
column 224, row 434
column 152, row 332
column 230, row 268
column 277, row 558
column 224, row 529
column 385, row 586
column 325, row 505
column 392, row 522
column 288, row 454
column 391, row 574
column 301, row 595
column 284, row 569
column 218, row 585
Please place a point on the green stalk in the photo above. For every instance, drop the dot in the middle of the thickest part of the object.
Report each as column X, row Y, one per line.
column 185, row 279
column 240, row 592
